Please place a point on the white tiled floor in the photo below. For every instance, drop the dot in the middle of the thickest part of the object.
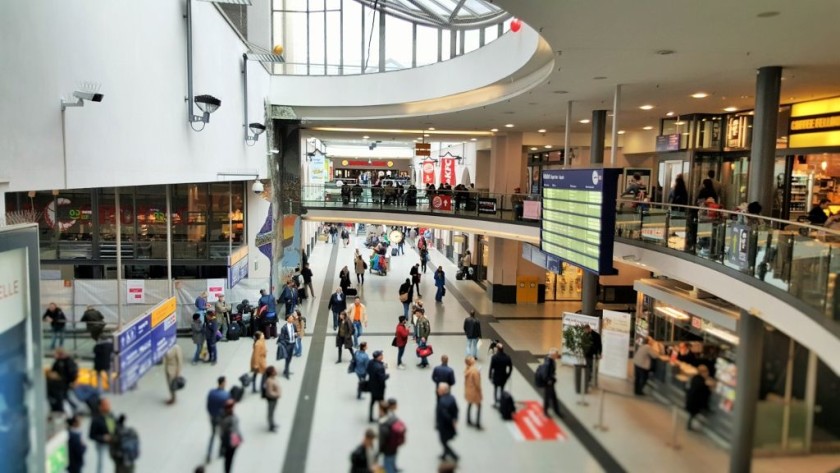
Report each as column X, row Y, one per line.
column 174, row 439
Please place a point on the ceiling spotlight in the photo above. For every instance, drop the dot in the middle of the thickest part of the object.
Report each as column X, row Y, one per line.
column 670, row 114
column 541, row 130
column 700, row 95
column 730, row 109
column 547, row 146
column 431, row 128
column 646, row 107
column 585, row 120
column 621, row 132
column 257, row 129
column 534, row 148
column 509, row 125
column 494, row 130
column 473, row 139
column 365, row 137
column 647, row 128
column 426, row 135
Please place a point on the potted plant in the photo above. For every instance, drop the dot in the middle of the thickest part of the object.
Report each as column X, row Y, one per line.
column 575, row 344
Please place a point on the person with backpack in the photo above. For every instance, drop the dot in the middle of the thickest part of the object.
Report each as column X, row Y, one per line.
column 363, row 457
column 546, row 378
column 440, row 283
column 377, row 377
column 125, row 447
column 472, row 392
column 102, row 427
column 391, row 436
column 501, row 367
column 58, row 321
column 361, row 361
column 271, row 393
column 472, row 329
column 211, row 336
column 231, row 436
column 258, row 360
column 197, row 330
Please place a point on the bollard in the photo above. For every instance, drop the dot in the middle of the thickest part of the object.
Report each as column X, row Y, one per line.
column 675, row 441
column 582, row 400
column 600, row 425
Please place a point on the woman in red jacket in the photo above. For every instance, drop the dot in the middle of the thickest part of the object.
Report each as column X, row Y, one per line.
column 400, row 341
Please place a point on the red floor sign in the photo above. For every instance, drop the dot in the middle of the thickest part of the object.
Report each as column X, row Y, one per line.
column 529, row 424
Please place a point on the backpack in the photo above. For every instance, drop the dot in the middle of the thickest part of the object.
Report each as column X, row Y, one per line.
column 128, row 446
column 541, row 376
column 396, row 434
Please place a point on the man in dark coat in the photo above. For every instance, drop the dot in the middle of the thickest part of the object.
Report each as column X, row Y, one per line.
column 75, row 446
column 102, row 352
column 288, row 338
column 472, row 330
column 501, row 368
column 592, row 353
column 549, row 394
column 94, row 321
column 377, row 376
column 446, row 420
column 443, row 374
column 337, row 304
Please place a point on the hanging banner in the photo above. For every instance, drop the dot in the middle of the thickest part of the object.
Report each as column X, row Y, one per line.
column 215, row 287
column 135, row 291
column 571, row 319
column 317, row 171
column 428, row 172
column 615, row 341
column 442, row 202
column 447, row 171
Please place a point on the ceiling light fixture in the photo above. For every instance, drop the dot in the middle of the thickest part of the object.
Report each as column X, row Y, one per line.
column 670, row 114
column 547, row 146
column 584, row 121
column 730, row 109
column 431, row 128
column 494, row 130
column 534, row 148
column 509, row 125
column 700, row 95
column 541, row 130
column 398, row 131
column 621, row 132
column 647, row 128
column 646, row 107
column 426, row 135
column 473, row 139
column 365, row 137
column 679, row 123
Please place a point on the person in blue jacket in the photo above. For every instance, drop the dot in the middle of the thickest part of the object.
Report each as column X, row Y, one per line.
column 440, row 282
column 201, row 304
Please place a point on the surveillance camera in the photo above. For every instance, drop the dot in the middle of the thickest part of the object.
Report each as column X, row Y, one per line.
column 257, row 188
column 88, row 95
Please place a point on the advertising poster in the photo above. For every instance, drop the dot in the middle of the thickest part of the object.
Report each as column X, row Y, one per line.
column 486, row 205
column 531, row 209
column 615, row 339
column 571, row 319
column 442, row 202
column 317, row 170
column 739, row 247
column 144, row 342
column 447, row 171
column 428, row 168
column 135, row 291
column 215, row 287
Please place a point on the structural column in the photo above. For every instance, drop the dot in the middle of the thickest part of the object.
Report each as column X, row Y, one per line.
column 589, row 282
column 763, row 155
column 285, row 172
column 748, row 361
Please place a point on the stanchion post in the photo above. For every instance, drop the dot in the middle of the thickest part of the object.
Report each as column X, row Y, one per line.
column 675, row 441
column 600, row 425
column 582, row 400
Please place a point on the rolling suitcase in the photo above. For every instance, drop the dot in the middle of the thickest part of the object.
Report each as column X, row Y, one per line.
column 506, row 406
column 394, row 251
column 351, row 292
column 234, row 331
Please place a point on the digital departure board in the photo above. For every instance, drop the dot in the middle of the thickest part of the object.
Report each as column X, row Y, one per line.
column 578, row 220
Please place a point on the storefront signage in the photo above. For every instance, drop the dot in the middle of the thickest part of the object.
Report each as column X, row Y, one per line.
column 668, row 142
column 144, row 342
column 739, row 247
column 821, row 123
column 428, row 172
column 317, row 169
column 135, row 291
column 571, row 319
column 578, row 217
column 615, row 341
column 442, row 202
column 487, row 205
column 447, row 171
column 422, row 149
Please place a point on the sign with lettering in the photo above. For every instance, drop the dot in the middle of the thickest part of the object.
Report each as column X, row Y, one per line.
column 144, row 342
column 135, row 291
column 215, row 287
column 447, row 171
column 668, row 142
column 442, row 202
column 487, row 205
column 815, row 123
column 423, row 149
column 428, row 172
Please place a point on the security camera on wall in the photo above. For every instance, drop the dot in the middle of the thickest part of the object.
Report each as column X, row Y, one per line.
column 257, row 188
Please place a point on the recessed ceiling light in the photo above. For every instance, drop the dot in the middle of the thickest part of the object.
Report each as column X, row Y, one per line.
column 768, row 14
column 700, row 95
column 746, row 96
column 646, row 107
column 509, row 125
column 365, row 137
column 585, row 120
column 730, row 109
column 670, row 114
column 541, row 130
column 534, row 148
column 494, row 130
column 473, row 139
column 679, row 123
column 547, row 146
column 621, row 132
column 431, row 128
column 647, row 128
column 426, row 135
column 599, row 77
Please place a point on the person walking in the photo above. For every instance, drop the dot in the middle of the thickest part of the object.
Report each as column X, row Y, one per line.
column 102, row 427
column 697, row 395
column 360, row 266
column 377, row 378
column 337, row 305
column 401, row 340
column 360, row 319
column 414, row 274
column 472, row 392
column 211, row 336
column 391, row 436
column 549, row 393
column 344, row 336
column 272, row 395
column 362, row 362
column 286, row 340
column 76, row 446
column 94, row 322
column 592, row 354
column 406, row 294
column 424, row 328
column 173, row 362
column 197, row 330
column 641, row 366
column 216, row 401
column 102, row 354
column 363, row 458
column 229, row 433
column 446, row 420
column 201, row 304
column 424, row 259
column 306, row 272
column 258, row 360
column 443, row 373
column 222, row 309
column 344, row 279
column 300, row 325
column 501, row 367
column 125, row 447
column 68, row 370
column 472, row 329
column 440, row 282
column 289, row 297
column 58, row 322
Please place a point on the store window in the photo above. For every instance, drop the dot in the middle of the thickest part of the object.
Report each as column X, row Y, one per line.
column 189, row 233
column 565, row 286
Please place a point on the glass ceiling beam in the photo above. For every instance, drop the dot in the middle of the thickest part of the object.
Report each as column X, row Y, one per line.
column 456, row 10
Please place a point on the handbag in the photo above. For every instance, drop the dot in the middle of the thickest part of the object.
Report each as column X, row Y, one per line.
column 394, row 342
column 404, row 297
column 425, row 351
column 235, row 439
column 364, row 386
column 178, row 383
column 281, row 351
column 442, row 291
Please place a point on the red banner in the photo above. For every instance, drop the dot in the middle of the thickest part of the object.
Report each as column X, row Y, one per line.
column 428, row 172
column 447, row 171
column 442, row 202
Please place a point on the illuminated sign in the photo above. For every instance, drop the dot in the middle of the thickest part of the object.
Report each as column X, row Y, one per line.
column 808, row 124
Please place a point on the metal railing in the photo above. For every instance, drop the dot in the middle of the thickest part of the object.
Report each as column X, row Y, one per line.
column 800, row 259
column 471, row 204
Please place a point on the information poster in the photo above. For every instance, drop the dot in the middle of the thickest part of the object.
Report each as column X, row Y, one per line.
column 578, row 217
column 486, row 205
column 135, row 291
column 615, row 341
column 215, row 288
column 317, row 170
column 442, row 202
column 571, row 319
column 144, row 342
column 739, row 247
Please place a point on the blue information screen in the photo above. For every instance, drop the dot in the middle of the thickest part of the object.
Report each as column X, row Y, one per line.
column 578, row 224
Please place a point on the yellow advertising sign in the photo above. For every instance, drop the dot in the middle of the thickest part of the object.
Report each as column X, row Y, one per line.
column 163, row 310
